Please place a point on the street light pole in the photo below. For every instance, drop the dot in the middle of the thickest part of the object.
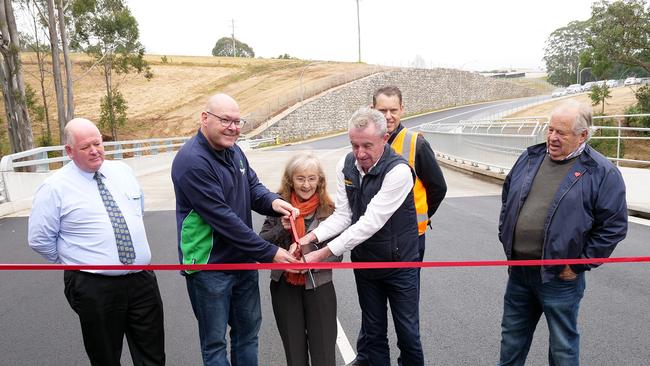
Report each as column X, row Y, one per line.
column 359, row 30
column 580, row 74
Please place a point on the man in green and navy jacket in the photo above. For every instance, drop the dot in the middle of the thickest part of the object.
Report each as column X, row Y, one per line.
column 216, row 190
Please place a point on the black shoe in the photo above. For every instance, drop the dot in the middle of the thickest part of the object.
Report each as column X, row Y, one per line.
column 357, row 362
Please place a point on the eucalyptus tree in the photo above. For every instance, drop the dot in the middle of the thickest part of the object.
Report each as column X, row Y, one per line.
column 562, row 52
column 107, row 31
column 13, row 83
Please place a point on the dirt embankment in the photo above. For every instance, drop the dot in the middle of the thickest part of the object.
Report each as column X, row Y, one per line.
column 169, row 104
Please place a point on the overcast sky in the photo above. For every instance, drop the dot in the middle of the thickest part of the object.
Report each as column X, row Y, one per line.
column 472, row 35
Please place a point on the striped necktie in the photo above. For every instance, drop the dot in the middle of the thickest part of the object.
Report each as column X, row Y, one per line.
column 125, row 250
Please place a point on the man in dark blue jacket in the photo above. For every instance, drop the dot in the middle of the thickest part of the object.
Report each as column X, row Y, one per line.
column 561, row 200
column 215, row 192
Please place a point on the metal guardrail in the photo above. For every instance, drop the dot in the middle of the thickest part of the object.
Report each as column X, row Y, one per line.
column 44, row 159
column 495, row 144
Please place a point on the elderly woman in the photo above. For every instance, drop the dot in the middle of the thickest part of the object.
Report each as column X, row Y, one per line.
column 305, row 311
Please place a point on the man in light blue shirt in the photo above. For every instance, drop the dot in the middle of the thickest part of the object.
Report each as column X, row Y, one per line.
column 90, row 212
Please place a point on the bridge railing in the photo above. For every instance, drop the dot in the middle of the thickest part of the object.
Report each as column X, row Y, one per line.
column 495, row 144
column 44, row 159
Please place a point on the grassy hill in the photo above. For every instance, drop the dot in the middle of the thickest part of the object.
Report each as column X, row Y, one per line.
column 169, row 104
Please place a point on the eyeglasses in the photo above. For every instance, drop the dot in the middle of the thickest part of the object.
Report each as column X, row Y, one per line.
column 227, row 122
column 311, row 180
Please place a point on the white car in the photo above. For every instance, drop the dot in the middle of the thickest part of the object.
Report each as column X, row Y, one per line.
column 588, row 85
column 612, row 83
column 574, row 88
column 558, row 93
column 630, row 81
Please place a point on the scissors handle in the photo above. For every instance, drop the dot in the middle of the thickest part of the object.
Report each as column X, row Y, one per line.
column 294, row 232
column 296, row 239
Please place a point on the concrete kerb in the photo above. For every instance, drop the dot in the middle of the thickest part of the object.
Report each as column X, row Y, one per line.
column 477, row 172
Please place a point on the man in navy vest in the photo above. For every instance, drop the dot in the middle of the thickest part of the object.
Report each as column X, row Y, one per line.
column 375, row 219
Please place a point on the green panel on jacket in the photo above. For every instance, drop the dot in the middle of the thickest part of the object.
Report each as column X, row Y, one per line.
column 196, row 240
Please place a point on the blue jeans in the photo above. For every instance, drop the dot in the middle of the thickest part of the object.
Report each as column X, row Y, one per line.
column 525, row 300
column 221, row 299
column 361, row 338
column 401, row 289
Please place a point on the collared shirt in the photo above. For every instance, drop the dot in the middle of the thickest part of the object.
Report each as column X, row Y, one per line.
column 397, row 184
column 575, row 152
column 69, row 223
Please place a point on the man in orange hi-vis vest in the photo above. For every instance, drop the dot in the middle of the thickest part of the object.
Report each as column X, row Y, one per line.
column 430, row 187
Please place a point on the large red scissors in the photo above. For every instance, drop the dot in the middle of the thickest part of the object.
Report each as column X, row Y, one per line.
column 296, row 239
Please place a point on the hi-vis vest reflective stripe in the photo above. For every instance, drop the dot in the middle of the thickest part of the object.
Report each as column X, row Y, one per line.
column 404, row 144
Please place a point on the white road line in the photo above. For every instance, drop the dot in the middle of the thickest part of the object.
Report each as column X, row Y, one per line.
column 461, row 113
column 638, row 220
column 345, row 348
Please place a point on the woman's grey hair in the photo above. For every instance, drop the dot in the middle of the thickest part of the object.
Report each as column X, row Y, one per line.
column 364, row 115
column 583, row 114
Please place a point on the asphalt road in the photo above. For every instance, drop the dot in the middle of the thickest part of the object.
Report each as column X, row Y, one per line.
column 460, row 307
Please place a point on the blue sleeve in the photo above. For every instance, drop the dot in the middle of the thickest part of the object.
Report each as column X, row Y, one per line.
column 44, row 223
column 205, row 195
column 505, row 192
column 504, row 200
column 610, row 219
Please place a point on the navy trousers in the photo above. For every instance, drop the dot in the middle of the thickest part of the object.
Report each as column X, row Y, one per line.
column 401, row 290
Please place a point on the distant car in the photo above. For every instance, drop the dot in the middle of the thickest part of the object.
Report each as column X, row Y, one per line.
column 644, row 81
column 574, row 88
column 630, row 81
column 600, row 83
column 588, row 85
column 558, row 93
column 612, row 83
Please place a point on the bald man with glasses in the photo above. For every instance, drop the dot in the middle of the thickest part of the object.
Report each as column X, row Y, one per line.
column 216, row 190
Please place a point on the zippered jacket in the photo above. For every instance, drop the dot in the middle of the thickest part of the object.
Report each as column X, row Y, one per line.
column 215, row 193
column 588, row 215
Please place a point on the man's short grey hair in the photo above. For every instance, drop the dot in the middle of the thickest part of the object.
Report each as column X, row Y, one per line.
column 583, row 114
column 68, row 136
column 364, row 116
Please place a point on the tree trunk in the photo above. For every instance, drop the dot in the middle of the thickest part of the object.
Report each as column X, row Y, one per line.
column 40, row 58
column 13, row 82
column 56, row 68
column 12, row 123
column 109, row 100
column 68, row 63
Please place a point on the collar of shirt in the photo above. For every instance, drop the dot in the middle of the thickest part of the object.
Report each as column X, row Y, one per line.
column 87, row 175
column 361, row 172
column 575, row 152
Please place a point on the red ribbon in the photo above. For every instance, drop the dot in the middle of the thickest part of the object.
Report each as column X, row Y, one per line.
column 314, row 265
